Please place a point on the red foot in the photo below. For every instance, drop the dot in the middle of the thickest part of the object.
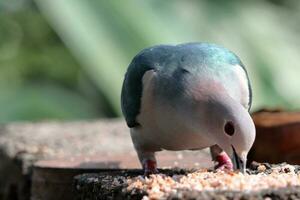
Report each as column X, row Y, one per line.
column 150, row 167
column 224, row 162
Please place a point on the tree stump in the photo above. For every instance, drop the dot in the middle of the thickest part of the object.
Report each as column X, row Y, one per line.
column 277, row 137
column 114, row 185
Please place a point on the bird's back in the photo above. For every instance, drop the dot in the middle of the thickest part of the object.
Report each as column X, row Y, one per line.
column 178, row 68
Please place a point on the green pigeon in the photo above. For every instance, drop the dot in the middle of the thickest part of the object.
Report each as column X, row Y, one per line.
column 189, row 97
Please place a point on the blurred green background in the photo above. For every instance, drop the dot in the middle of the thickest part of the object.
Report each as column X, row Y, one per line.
column 66, row 59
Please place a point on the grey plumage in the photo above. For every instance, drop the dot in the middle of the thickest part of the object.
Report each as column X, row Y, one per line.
column 175, row 61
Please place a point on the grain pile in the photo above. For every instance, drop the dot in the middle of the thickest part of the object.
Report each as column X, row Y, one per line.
column 160, row 186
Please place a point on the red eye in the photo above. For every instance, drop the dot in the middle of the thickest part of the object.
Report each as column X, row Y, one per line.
column 229, row 128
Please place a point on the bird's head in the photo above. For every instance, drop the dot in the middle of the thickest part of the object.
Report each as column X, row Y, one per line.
column 231, row 128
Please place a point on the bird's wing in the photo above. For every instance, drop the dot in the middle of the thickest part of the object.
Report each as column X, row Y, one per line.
column 249, row 87
column 132, row 89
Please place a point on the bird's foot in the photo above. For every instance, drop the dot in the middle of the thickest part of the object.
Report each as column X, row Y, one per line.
column 150, row 167
column 224, row 162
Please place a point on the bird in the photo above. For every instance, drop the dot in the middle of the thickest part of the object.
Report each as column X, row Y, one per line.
column 189, row 96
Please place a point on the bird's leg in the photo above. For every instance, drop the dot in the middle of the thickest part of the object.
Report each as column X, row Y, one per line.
column 221, row 157
column 148, row 162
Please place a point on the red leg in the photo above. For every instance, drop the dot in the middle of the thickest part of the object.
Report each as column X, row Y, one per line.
column 150, row 167
column 224, row 162
column 148, row 161
column 222, row 159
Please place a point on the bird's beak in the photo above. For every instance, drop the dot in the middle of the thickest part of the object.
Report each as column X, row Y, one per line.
column 238, row 162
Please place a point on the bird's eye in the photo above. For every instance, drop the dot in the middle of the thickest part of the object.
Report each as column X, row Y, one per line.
column 229, row 128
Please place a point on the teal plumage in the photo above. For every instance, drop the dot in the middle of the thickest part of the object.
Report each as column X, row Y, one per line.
column 175, row 62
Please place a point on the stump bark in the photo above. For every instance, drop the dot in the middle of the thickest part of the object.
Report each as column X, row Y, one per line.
column 277, row 137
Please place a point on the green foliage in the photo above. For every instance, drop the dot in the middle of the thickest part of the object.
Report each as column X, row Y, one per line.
column 40, row 78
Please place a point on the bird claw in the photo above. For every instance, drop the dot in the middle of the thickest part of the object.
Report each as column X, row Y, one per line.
column 149, row 172
column 224, row 166
column 224, row 162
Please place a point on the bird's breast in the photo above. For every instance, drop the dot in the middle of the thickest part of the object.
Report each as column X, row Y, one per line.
column 162, row 124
